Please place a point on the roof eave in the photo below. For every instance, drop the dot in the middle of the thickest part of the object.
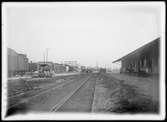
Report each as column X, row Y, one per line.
column 117, row 60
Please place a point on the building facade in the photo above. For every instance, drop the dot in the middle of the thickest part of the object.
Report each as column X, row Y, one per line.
column 143, row 60
column 12, row 62
column 73, row 66
column 59, row 68
column 22, row 63
column 17, row 63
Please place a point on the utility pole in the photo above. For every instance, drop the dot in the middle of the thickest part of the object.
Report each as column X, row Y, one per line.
column 47, row 49
column 44, row 57
column 46, row 54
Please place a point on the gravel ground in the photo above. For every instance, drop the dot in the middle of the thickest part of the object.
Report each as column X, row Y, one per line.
column 118, row 96
column 23, row 85
column 46, row 99
column 114, row 93
column 145, row 85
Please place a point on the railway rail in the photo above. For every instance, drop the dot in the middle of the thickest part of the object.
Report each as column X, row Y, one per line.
column 66, row 98
column 18, row 88
column 41, row 87
column 59, row 100
column 80, row 100
column 33, row 95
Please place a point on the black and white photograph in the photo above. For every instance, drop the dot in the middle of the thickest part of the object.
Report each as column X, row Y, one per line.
column 83, row 61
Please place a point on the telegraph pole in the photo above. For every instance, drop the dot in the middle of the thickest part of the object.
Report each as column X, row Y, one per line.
column 44, row 57
column 46, row 54
column 47, row 49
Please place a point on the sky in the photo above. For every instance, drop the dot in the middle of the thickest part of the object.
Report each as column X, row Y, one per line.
column 92, row 34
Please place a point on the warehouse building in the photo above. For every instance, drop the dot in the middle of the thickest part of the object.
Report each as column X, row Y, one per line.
column 17, row 63
column 12, row 62
column 22, row 63
column 142, row 61
column 73, row 66
column 71, row 63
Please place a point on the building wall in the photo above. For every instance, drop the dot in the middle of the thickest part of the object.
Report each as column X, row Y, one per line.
column 12, row 62
column 71, row 63
column 155, row 59
column 144, row 61
column 16, row 62
column 21, row 65
column 26, row 64
column 22, row 62
column 59, row 68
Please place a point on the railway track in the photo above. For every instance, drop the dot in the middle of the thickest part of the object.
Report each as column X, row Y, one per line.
column 19, row 87
column 38, row 90
column 80, row 99
column 66, row 98
column 54, row 98
column 42, row 87
column 33, row 95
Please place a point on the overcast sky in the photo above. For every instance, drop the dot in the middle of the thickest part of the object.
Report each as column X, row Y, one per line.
column 87, row 33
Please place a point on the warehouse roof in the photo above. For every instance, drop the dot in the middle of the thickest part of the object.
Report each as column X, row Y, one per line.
column 138, row 50
column 12, row 52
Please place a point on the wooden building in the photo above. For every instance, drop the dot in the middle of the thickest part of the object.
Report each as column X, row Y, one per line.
column 144, row 60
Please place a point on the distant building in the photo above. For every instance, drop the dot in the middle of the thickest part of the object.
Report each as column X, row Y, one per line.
column 59, row 68
column 32, row 66
column 71, row 63
column 73, row 66
column 144, row 60
column 45, row 66
column 55, row 67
